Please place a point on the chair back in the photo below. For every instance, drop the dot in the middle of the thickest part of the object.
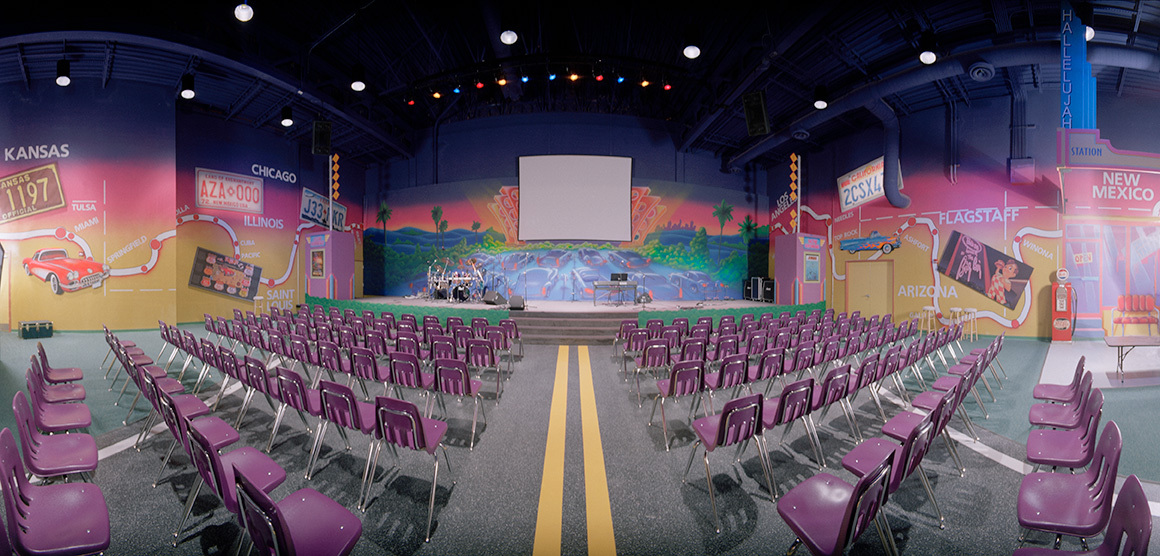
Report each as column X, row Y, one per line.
column 656, row 353
column 451, row 377
column 913, row 450
column 734, row 371
column 257, row 376
column 480, row 353
column 727, row 344
column 1130, row 526
column 443, row 347
column 770, row 364
column 867, row 498
column 291, row 388
column 834, row 387
column 328, row 356
column 405, row 369
column 740, row 420
column 687, row 377
column 1090, row 420
column 398, row 422
column 339, row 405
column 30, row 437
column 16, row 488
column 692, row 348
column 207, row 461
column 794, row 401
column 362, row 363
column 1102, row 471
column 260, row 517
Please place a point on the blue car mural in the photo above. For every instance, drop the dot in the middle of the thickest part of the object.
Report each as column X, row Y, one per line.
column 628, row 259
column 872, row 242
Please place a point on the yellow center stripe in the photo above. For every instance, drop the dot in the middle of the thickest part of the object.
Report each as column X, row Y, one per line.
column 599, row 510
column 550, row 516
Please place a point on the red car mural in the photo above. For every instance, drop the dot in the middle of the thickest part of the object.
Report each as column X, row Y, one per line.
column 63, row 273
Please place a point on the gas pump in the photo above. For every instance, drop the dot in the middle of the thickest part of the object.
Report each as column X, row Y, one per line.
column 1063, row 307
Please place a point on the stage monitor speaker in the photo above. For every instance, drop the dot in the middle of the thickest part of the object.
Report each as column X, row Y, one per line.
column 493, row 298
column 644, row 298
column 321, row 138
column 516, row 303
column 746, row 290
column 755, row 119
column 769, row 291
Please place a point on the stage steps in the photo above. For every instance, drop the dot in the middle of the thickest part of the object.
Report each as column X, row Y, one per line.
column 592, row 328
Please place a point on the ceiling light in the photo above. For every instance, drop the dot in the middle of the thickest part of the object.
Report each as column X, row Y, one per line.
column 692, row 51
column 187, row 91
column 436, row 94
column 574, row 77
column 479, row 84
column 501, row 81
column 244, row 12
column 409, row 100
column 508, row 37
column 821, row 101
column 926, row 45
column 358, row 78
column 62, row 73
column 457, row 90
column 524, row 77
column 644, row 83
column 287, row 117
column 668, row 87
column 1089, row 32
column 551, row 77
column 620, row 79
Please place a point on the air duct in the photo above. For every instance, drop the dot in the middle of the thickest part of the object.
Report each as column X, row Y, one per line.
column 890, row 172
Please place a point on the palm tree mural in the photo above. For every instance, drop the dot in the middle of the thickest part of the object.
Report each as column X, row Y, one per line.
column 475, row 228
column 723, row 212
column 442, row 231
column 436, row 217
column 747, row 228
column 382, row 217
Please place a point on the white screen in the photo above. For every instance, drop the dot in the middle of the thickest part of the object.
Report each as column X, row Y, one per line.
column 572, row 197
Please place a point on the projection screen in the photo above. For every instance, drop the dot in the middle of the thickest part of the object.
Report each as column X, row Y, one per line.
column 575, row 198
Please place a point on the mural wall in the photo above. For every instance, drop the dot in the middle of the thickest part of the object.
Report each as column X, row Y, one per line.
column 689, row 243
column 247, row 199
column 86, row 201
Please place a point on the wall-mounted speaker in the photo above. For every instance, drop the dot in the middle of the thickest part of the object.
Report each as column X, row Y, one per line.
column 756, row 122
column 320, row 143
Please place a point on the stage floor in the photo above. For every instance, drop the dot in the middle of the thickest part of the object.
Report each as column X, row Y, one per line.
column 577, row 306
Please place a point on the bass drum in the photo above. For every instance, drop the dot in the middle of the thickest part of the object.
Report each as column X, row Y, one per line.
column 460, row 293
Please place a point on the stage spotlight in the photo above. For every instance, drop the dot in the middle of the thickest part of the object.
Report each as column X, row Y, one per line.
column 437, row 94
column 187, row 91
column 244, row 12
column 508, row 37
column 551, row 77
column 574, row 76
column 501, row 81
column 287, row 117
column 63, row 73
column 524, row 78
column 644, row 82
column 457, row 90
column 668, row 87
column 479, row 84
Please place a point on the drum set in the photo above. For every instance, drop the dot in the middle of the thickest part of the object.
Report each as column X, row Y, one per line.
column 456, row 284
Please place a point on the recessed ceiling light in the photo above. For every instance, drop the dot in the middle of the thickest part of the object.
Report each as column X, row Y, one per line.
column 692, row 51
column 243, row 12
column 508, row 37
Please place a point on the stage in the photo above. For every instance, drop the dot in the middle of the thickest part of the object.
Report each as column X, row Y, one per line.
column 578, row 306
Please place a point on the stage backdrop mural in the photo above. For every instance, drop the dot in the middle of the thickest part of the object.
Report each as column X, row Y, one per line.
column 86, row 201
column 689, row 243
column 250, row 197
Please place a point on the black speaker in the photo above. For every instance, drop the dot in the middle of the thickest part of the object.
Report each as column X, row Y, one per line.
column 644, row 298
column 493, row 298
column 755, row 119
column 321, row 138
column 516, row 303
column 770, row 291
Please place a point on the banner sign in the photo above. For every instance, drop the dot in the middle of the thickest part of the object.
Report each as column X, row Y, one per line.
column 227, row 191
column 30, row 192
column 984, row 269
column 226, row 275
column 863, row 184
column 316, row 207
column 1110, row 192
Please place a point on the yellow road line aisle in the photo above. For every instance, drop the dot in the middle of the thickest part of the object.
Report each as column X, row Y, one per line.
column 599, row 509
column 550, row 516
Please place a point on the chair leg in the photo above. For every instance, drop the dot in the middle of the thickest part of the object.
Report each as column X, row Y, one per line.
column 766, row 466
column 712, row 497
column 274, row 430
column 885, row 533
column 848, row 411
column 689, row 465
column 815, row 442
column 942, row 522
column 431, row 502
column 188, row 509
column 316, row 449
column 368, row 474
column 165, row 462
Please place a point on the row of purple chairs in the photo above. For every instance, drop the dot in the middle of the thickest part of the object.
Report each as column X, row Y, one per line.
column 51, row 517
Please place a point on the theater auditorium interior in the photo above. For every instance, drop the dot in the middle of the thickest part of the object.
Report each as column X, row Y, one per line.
column 899, row 261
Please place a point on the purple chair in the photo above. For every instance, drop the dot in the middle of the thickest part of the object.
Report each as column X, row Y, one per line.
column 258, row 380
column 655, row 359
column 339, row 406
column 829, row 514
column 834, row 388
column 59, row 519
column 177, row 412
column 304, row 522
column 218, row 470
column 739, row 421
column 56, row 417
column 407, row 372
column 633, row 347
column 1068, row 447
column 451, row 378
column 1076, row 505
column 791, row 405
column 64, row 392
column 293, row 393
column 481, row 357
column 732, row 373
column 907, row 459
column 398, row 423
column 1060, row 392
column 1066, row 415
column 1129, row 528
column 57, row 374
column 686, row 379
column 231, row 368
column 54, row 455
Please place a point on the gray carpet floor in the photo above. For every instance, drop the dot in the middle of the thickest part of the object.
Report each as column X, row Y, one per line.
column 486, row 503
